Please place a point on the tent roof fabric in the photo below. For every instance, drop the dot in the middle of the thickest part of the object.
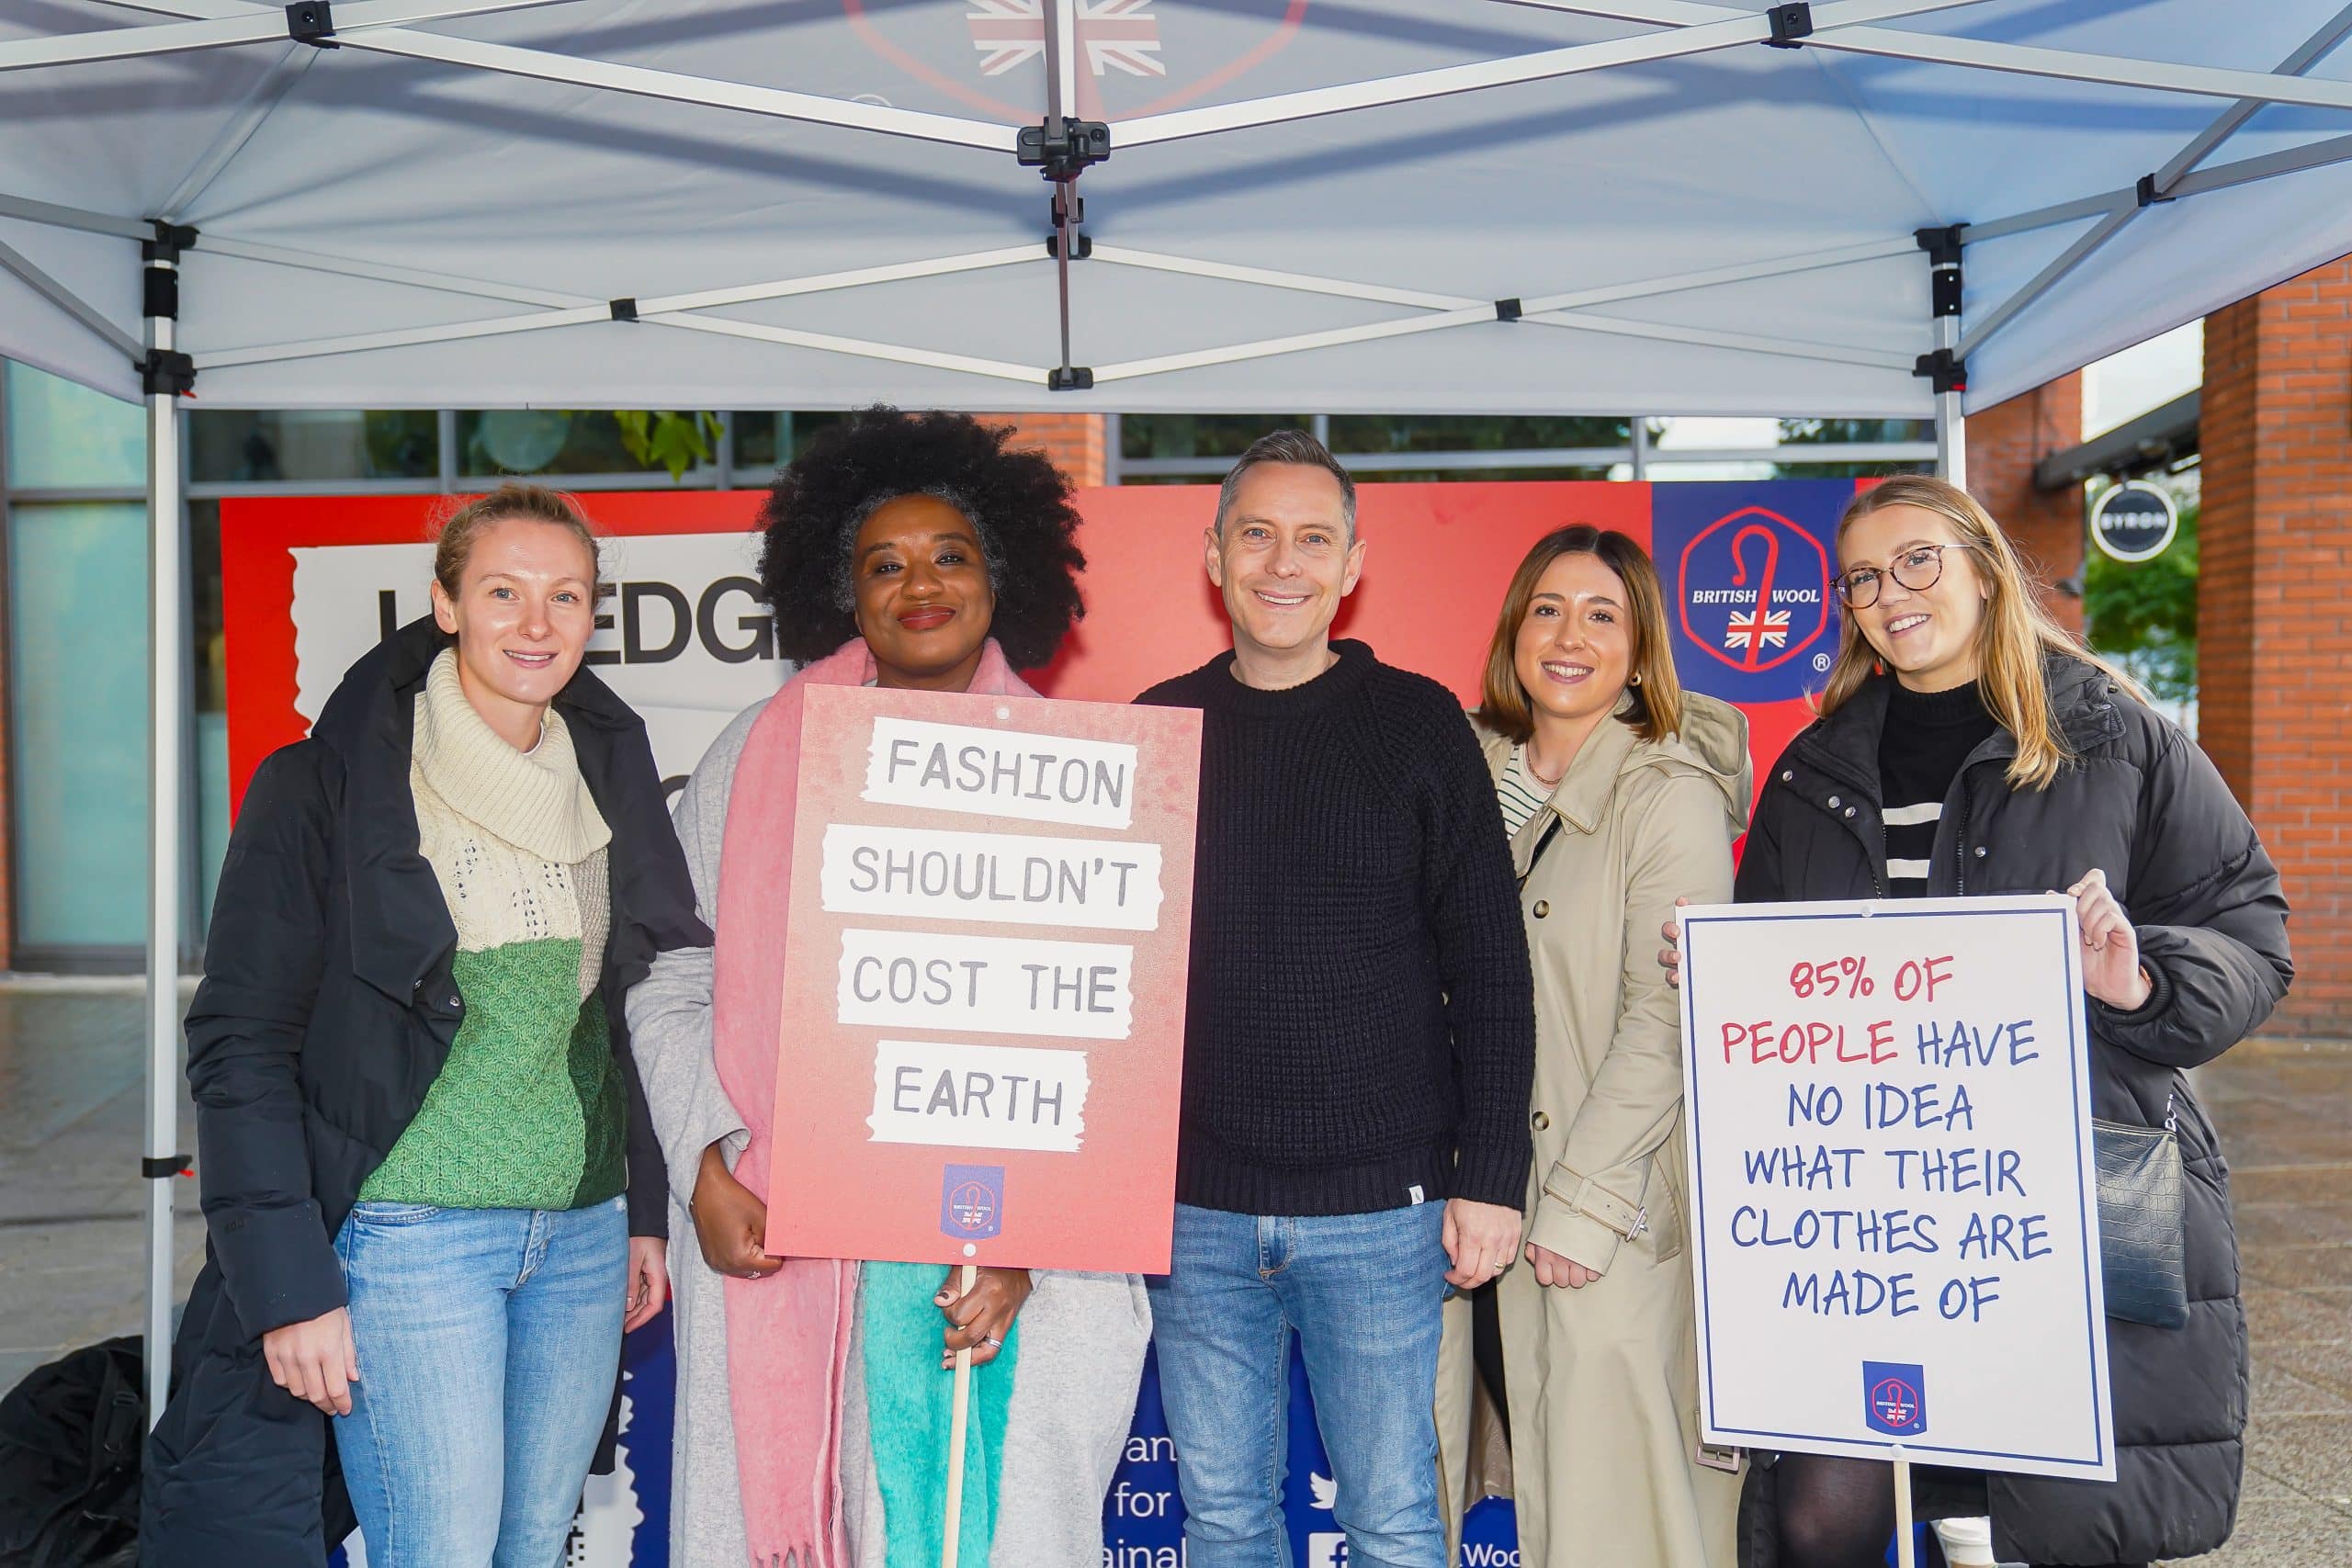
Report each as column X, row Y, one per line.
column 1309, row 205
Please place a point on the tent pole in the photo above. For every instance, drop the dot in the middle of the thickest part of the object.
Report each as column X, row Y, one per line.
column 1951, row 424
column 166, row 563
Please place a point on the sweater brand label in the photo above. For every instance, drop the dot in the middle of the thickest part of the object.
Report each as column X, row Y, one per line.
column 1001, row 773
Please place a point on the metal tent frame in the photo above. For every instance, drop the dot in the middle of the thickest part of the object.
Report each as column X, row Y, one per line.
column 1062, row 147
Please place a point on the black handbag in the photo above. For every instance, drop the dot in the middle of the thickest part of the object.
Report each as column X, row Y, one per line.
column 2141, row 1222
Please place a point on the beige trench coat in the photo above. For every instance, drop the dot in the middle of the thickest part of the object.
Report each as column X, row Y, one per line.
column 1602, row 1381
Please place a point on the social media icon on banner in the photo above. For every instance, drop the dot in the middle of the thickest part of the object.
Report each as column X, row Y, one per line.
column 971, row 1201
column 1327, row 1549
column 1895, row 1398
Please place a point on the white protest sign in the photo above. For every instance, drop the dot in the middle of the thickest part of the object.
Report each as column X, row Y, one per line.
column 1896, row 1230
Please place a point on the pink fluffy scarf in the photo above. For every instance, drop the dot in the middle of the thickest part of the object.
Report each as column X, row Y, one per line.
column 787, row 1336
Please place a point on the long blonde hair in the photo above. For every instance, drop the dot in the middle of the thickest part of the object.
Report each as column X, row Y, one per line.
column 2011, row 640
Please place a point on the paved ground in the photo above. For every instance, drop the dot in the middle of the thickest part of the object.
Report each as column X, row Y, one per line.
column 71, row 1267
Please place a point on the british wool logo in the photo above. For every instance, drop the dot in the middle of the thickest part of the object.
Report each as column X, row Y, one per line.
column 1749, row 567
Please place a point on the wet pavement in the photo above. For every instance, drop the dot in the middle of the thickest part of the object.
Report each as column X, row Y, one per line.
column 71, row 1269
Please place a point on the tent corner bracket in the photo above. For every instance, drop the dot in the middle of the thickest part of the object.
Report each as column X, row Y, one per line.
column 311, row 22
column 1081, row 246
column 1944, row 371
column 1070, row 378
column 170, row 240
column 165, row 373
column 1062, row 149
column 1792, row 25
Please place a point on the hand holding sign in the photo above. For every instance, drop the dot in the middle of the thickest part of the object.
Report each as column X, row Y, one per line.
column 2111, row 947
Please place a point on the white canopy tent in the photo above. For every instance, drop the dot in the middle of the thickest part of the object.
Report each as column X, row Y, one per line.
column 1856, row 208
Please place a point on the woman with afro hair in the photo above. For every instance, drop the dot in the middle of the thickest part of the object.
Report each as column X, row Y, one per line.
column 901, row 550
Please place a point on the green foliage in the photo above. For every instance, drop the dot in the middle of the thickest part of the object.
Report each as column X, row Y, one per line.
column 2145, row 614
column 666, row 437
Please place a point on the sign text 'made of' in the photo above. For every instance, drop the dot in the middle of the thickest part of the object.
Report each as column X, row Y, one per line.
column 1895, row 1227
column 983, row 1022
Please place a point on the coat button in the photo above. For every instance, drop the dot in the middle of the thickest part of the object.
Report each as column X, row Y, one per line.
column 456, row 1004
column 1787, row 774
column 1849, row 811
column 1833, row 804
column 1543, row 907
column 1979, row 851
column 1540, row 1122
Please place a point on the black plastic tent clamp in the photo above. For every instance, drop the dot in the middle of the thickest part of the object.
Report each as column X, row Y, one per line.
column 623, row 308
column 1080, row 246
column 1506, row 310
column 311, row 22
column 1941, row 243
column 2148, row 194
column 1064, row 151
column 170, row 240
column 1070, row 378
column 170, row 1165
column 165, row 373
column 1790, row 25
column 1943, row 371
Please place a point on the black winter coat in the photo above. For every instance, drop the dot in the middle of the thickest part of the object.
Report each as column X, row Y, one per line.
column 327, row 1010
column 2146, row 805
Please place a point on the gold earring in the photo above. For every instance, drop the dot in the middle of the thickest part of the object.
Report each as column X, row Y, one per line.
column 1636, row 678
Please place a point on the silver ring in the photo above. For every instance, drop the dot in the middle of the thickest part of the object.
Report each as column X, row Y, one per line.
column 991, row 1341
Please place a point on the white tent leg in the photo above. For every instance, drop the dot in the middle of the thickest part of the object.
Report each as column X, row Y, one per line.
column 1951, row 424
column 166, row 560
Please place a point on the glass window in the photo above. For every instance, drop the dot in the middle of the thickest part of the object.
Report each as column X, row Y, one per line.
column 77, row 598
column 756, row 437
column 240, row 446
column 1470, row 433
column 494, row 442
column 1486, row 476
column 62, row 436
column 208, row 679
column 1199, row 434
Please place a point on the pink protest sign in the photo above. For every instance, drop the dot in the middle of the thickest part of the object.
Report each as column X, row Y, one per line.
column 981, row 1050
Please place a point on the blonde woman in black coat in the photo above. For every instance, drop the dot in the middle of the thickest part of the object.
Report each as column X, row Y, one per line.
column 1968, row 745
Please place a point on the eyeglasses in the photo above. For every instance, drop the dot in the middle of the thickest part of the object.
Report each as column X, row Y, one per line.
column 1916, row 569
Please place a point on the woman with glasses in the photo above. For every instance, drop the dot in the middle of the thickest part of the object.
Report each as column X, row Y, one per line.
column 1968, row 745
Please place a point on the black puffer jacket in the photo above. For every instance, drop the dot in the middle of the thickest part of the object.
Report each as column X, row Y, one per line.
column 326, row 1011
column 2146, row 805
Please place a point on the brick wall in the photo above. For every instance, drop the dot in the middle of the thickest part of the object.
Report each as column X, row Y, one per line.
column 2005, row 442
column 2274, row 607
column 1074, row 441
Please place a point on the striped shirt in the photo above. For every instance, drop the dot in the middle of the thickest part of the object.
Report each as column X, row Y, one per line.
column 1927, row 736
column 1518, row 792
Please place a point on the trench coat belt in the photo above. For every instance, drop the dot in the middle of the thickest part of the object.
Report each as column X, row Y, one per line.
column 1588, row 1197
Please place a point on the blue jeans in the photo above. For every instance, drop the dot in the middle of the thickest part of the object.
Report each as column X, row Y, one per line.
column 1364, row 1290
column 488, row 1342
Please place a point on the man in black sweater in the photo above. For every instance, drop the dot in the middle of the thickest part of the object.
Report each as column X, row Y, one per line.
column 1359, row 1040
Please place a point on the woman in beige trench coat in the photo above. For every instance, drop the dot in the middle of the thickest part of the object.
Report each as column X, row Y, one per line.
column 1623, row 794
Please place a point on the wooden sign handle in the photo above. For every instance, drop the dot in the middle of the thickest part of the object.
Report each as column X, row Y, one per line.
column 1905, row 1547
column 959, row 1412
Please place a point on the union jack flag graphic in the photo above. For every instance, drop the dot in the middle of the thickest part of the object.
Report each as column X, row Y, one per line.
column 1112, row 35
column 1766, row 629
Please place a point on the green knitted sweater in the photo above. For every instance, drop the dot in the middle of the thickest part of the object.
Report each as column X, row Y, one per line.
column 527, row 1111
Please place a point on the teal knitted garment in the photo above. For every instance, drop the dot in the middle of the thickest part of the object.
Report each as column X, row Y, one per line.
column 909, row 1403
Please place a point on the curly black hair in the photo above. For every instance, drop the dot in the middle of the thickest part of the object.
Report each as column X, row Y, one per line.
column 1017, row 500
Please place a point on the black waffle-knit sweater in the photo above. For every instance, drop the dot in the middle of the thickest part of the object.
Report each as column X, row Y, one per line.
column 1360, row 1031
column 1927, row 736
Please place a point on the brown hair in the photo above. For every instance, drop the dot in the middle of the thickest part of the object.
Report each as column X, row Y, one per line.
column 454, row 538
column 2011, row 640
column 1294, row 446
column 1656, row 711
